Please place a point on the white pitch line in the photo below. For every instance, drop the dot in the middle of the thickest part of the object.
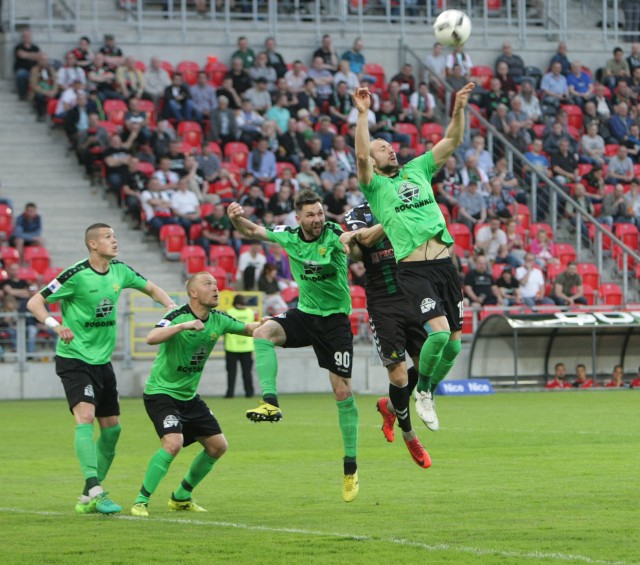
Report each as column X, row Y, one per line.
column 397, row 541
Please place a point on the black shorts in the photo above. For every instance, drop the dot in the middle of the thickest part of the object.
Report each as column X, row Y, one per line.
column 94, row 384
column 396, row 328
column 191, row 418
column 330, row 337
column 433, row 289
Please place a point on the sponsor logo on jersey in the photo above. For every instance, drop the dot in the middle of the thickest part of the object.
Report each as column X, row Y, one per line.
column 170, row 422
column 54, row 285
column 382, row 255
column 408, row 192
column 196, row 363
column 104, row 308
column 427, row 304
column 311, row 268
column 93, row 291
column 88, row 391
column 105, row 324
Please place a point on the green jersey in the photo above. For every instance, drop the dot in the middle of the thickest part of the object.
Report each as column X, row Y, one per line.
column 178, row 366
column 406, row 207
column 319, row 266
column 88, row 302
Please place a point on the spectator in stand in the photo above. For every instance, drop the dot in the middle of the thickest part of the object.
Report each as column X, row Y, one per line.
column 216, row 230
column 455, row 79
column 295, row 77
column 536, row 161
column 594, row 183
column 84, row 55
column 281, row 203
column 274, row 304
column 345, row 74
column 531, row 281
column 167, row 178
column 209, row 163
column 134, row 184
column 250, row 265
column 280, row 260
column 561, row 57
column 592, row 146
column 156, row 81
column 322, row 78
column 582, row 379
column 177, row 157
column 101, row 78
column 225, row 187
column 492, row 240
column 354, row 194
column 530, row 102
column 447, row 183
column 241, row 81
column 340, row 104
column 135, row 120
column 615, row 69
column 332, row 174
column 471, row 172
column 112, row 53
column 293, row 147
column 249, row 123
column 499, row 121
column 509, row 181
column 156, row 203
column 623, row 93
column 515, row 64
column 584, row 202
column 399, row 101
column 70, row 72
column 620, row 123
column 507, row 84
column 479, row 287
column 601, row 109
column 130, row 79
column 634, row 57
column 68, row 99
column 499, row 201
column 580, row 84
column 620, row 167
column 116, row 159
column 43, row 85
column 318, row 155
column 308, row 101
column 567, row 288
column 558, row 380
column 253, row 200
column 162, row 137
column 177, row 101
column 274, row 59
column 509, row 287
column 544, row 250
column 632, row 143
column 20, row 290
column 472, row 209
column 91, row 143
column 308, row 178
column 459, row 57
column 356, row 59
column 565, row 168
column 556, row 133
column 291, row 100
column 615, row 209
column 203, row 96
column 222, row 123
column 227, row 90
column 617, row 378
column 259, row 96
column 483, row 158
column 286, row 177
column 335, row 203
column 515, row 244
column 27, row 229
column 262, row 162
column 185, row 205
column 11, row 305
column 25, row 57
column 436, row 62
column 554, row 87
column 327, row 53
column 387, row 120
column 262, row 70
column 344, row 154
column 405, row 80
column 244, row 53
column 633, row 200
column 422, row 105
column 76, row 119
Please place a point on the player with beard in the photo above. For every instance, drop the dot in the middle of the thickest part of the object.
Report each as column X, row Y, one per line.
column 319, row 266
column 89, row 292
column 394, row 323
column 403, row 201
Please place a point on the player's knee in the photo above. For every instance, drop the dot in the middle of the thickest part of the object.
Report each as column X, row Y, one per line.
column 267, row 331
column 452, row 350
column 439, row 339
column 84, row 413
column 172, row 443
column 218, row 448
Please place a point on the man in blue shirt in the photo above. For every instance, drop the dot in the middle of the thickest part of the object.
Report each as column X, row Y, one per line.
column 580, row 84
column 28, row 229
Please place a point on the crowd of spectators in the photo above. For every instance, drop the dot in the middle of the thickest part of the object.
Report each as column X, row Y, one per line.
column 561, row 380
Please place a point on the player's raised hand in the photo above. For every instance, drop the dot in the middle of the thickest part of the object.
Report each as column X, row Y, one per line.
column 362, row 99
column 64, row 333
column 235, row 210
column 462, row 96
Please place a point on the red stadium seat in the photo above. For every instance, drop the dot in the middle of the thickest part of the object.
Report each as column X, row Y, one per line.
column 172, row 238
column 189, row 71
column 269, row 190
column 535, row 228
column 281, row 166
column 445, row 213
column 521, row 214
column 149, row 108
column 565, row 252
column 496, row 270
column 220, row 275
column 195, row 233
column 115, row 111
column 193, row 259
column 574, row 114
column 589, row 294
column 432, row 132
column 483, row 71
column 590, row 274
column 215, row 148
column 37, row 258
column 462, row 236
column 553, row 270
column 610, row 294
column 376, row 71
column 191, row 133
column 358, row 297
column 51, row 273
column 223, row 256
column 290, row 294
column 146, row 168
column 6, row 221
column 610, row 149
column 410, row 130
column 238, row 153
column 9, row 255
column 216, row 71
column 628, row 233
column 28, row 274
column 167, row 66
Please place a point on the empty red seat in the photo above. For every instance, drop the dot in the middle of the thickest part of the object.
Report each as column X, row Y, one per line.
column 9, row 255
column 358, row 297
column 37, row 257
column 565, row 252
column 611, row 294
column 189, row 71
column 590, row 274
column 376, row 71
column 172, row 238
column 191, row 133
column 462, row 236
column 193, row 258
column 237, row 152
column 223, row 256
column 432, row 132
column 216, row 72
column 220, row 275
column 28, row 274
column 6, row 221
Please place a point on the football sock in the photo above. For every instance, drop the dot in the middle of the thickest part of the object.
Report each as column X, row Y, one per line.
column 400, row 399
column 447, row 360
column 267, row 369
column 413, row 379
column 350, row 465
column 430, row 355
column 348, row 420
column 86, row 453
column 200, row 468
column 157, row 469
column 106, row 449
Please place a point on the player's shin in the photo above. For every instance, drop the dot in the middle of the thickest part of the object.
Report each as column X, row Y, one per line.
column 86, row 453
column 200, row 468
column 430, row 356
column 156, row 471
column 348, row 420
column 106, row 449
column 400, row 397
column 267, row 369
column 412, row 373
column 449, row 354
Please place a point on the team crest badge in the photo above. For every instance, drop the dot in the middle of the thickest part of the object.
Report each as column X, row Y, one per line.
column 214, row 336
column 322, row 251
column 116, row 287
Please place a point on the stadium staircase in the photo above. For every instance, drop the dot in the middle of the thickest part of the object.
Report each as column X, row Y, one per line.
column 37, row 168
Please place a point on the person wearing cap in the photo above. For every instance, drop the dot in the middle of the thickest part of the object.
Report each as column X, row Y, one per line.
column 239, row 349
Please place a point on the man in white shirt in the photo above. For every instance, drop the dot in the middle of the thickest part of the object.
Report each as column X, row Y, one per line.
column 156, row 205
column 185, row 205
column 531, row 281
column 250, row 265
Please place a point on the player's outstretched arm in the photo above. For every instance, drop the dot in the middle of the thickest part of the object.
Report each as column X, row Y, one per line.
column 362, row 101
column 453, row 136
column 246, row 227
column 154, row 292
column 37, row 306
column 162, row 334
column 350, row 245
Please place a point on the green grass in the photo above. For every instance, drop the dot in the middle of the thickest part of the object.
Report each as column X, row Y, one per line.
column 516, row 478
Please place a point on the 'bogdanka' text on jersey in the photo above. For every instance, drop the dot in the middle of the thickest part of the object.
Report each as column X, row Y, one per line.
column 178, row 367
column 319, row 267
column 406, row 207
column 88, row 302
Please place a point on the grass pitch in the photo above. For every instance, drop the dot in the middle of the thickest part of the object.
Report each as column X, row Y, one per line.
column 516, row 478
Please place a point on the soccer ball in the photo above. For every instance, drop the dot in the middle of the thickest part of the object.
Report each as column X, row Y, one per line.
column 452, row 28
